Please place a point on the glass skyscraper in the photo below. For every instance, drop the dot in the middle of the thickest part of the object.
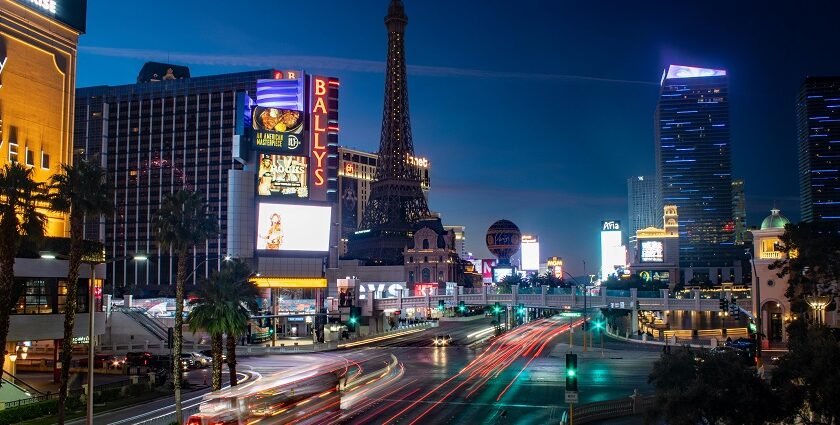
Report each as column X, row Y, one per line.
column 693, row 162
column 818, row 114
column 641, row 204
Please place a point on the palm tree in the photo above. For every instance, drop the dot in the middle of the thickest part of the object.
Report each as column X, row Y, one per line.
column 212, row 313
column 181, row 223
column 82, row 191
column 244, row 294
column 20, row 217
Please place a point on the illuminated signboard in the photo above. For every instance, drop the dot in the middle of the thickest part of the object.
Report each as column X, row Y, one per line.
column 499, row 273
column 681, row 71
column 659, row 276
column 283, row 175
column 284, row 227
column 652, row 252
column 278, row 130
column 70, row 12
column 613, row 253
column 530, row 253
column 611, row 226
column 323, row 168
column 555, row 266
column 487, row 270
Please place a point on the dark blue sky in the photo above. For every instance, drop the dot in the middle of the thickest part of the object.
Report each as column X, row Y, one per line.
column 536, row 111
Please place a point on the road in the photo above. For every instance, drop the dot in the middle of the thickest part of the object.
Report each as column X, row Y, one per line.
column 514, row 378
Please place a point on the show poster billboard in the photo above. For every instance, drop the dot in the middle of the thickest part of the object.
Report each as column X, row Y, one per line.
column 283, row 175
column 349, row 204
column 286, row 227
column 487, row 269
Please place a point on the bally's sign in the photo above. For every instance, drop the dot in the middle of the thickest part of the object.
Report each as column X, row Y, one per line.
column 611, row 226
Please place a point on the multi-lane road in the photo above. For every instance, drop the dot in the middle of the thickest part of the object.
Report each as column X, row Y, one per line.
column 516, row 377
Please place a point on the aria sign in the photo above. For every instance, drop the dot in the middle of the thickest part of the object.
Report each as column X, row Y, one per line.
column 612, row 225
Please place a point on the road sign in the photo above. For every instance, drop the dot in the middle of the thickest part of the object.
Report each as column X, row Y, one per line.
column 570, row 314
column 571, row 396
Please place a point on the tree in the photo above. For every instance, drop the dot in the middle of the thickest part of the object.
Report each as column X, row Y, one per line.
column 807, row 375
column 710, row 388
column 811, row 261
column 512, row 279
column 211, row 312
column 81, row 191
column 243, row 293
column 181, row 223
column 20, row 217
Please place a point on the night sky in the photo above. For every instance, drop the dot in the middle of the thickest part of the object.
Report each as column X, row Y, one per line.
column 534, row 111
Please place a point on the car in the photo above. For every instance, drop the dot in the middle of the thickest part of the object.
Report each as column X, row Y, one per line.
column 442, row 340
column 104, row 361
column 188, row 361
column 742, row 344
column 209, row 354
column 225, row 418
column 138, row 358
column 200, row 360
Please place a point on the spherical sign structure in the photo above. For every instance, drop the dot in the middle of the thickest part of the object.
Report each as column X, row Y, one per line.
column 503, row 239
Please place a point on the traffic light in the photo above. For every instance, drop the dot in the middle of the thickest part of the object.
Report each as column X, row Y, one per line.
column 521, row 309
column 441, row 305
column 169, row 338
column 734, row 310
column 723, row 304
column 752, row 328
column 355, row 313
column 497, row 308
column 597, row 325
column 462, row 307
column 571, row 372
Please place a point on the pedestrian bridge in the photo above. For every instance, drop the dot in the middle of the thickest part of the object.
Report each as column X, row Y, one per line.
column 555, row 298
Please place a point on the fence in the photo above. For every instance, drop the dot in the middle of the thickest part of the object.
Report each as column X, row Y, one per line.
column 592, row 412
column 77, row 392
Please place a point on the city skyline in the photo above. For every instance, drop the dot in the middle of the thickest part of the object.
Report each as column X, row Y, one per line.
column 619, row 85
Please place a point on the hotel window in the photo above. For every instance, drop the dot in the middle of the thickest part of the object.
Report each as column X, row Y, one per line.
column 30, row 158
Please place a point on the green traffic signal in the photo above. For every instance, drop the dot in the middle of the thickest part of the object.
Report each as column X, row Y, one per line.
column 571, row 373
column 353, row 320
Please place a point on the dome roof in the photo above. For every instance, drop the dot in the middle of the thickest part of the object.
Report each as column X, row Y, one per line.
column 774, row 220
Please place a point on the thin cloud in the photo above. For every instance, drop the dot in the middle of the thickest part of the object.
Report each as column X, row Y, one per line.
column 333, row 63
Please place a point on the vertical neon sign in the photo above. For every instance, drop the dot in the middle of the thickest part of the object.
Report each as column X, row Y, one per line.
column 324, row 146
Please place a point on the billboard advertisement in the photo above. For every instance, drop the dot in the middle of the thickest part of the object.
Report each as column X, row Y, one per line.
column 530, row 253
column 652, row 251
column 555, row 266
column 278, row 130
column 283, row 175
column 285, row 227
column 613, row 253
column 349, row 204
column 499, row 273
column 487, row 270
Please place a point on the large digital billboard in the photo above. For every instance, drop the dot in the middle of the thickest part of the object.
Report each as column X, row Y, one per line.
column 530, row 253
column 613, row 253
column 285, row 227
column 278, row 130
column 284, row 175
column 70, row 12
column 652, row 252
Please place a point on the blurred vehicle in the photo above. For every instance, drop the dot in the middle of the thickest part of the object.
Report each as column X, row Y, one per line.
column 442, row 340
column 138, row 358
column 201, row 361
column 209, row 355
column 246, row 404
column 188, row 361
column 104, row 361
column 742, row 344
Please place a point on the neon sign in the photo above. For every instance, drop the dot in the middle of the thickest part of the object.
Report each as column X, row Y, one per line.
column 324, row 135
column 319, row 130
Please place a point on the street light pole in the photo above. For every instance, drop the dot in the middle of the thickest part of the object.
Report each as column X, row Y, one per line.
column 759, row 329
column 91, row 308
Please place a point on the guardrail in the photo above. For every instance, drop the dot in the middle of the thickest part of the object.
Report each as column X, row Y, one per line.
column 77, row 392
column 591, row 412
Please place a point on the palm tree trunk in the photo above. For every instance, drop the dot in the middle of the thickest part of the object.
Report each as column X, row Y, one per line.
column 70, row 303
column 178, row 331
column 8, row 249
column 217, row 360
column 231, row 359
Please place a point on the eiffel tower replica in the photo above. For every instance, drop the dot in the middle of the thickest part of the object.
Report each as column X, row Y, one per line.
column 396, row 200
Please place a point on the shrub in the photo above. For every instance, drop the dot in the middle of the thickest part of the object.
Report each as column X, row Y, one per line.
column 107, row 395
column 19, row 414
column 137, row 389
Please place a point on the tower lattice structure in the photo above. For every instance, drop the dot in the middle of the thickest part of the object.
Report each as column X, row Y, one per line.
column 396, row 199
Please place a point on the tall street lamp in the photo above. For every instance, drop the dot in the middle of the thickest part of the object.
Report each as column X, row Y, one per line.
column 818, row 303
column 92, row 262
column 757, row 313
